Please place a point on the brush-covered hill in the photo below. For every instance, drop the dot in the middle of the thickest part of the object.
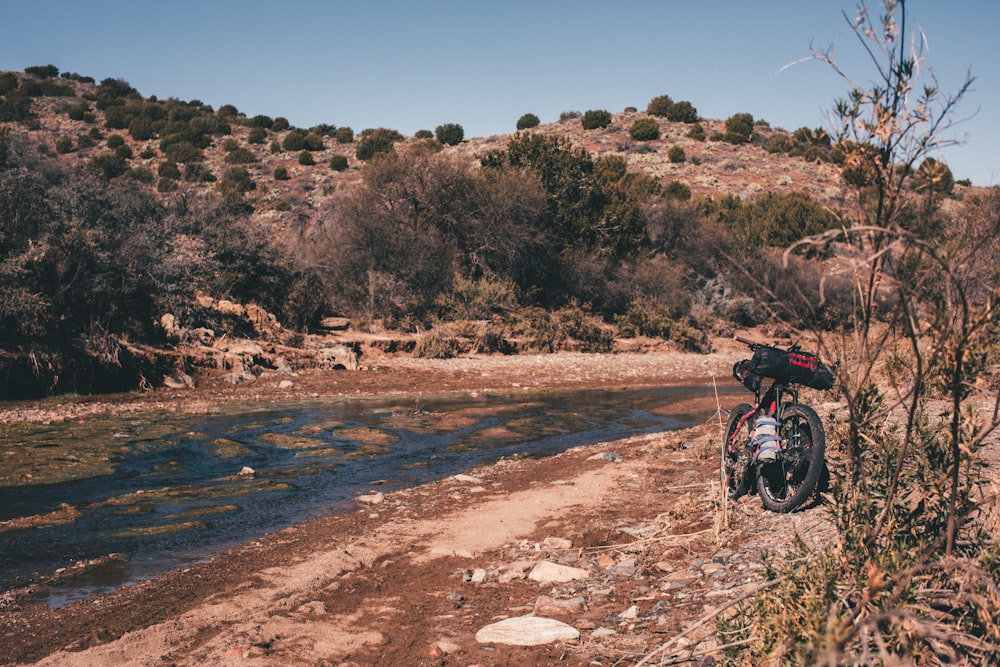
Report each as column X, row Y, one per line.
column 75, row 118
column 143, row 237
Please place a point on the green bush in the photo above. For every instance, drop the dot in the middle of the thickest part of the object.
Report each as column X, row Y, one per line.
column 236, row 181
column 142, row 128
column 424, row 134
column 197, row 172
column 595, row 119
column 450, row 134
column 64, row 145
column 140, row 174
column 228, row 112
column 109, row 165
column 42, row 71
column 115, row 141
column 739, row 128
column 81, row 112
column 294, row 140
column 527, row 121
column 376, row 141
column 676, row 154
column 682, row 112
column 261, row 121
column 677, row 190
column 258, row 135
column 660, row 106
column 645, row 129
column 168, row 169
column 306, row 159
column 280, row 124
column 241, row 155
column 9, row 83
column 166, row 185
column 282, row 205
column 338, row 162
column 230, row 145
column 569, row 115
column 182, row 151
column 344, row 135
column 280, row 174
column 300, row 140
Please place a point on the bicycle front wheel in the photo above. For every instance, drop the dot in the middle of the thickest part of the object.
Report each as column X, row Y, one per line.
column 733, row 441
column 791, row 479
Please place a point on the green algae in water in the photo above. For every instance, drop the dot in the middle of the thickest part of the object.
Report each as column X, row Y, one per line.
column 319, row 427
column 366, row 435
column 51, row 453
column 224, row 448
column 204, row 511
column 163, row 529
column 285, row 441
column 330, row 452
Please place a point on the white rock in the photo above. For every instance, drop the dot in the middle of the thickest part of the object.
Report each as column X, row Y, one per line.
column 286, row 384
column 371, row 498
column 557, row 543
column 467, row 478
column 527, row 631
column 247, row 471
column 546, row 572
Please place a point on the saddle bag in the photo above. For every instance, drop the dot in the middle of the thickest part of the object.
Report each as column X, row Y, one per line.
column 787, row 366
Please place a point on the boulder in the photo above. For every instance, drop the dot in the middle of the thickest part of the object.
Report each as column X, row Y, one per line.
column 334, row 324
column 337, row 357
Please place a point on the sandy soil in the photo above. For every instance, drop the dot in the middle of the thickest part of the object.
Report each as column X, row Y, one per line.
column 409, row 577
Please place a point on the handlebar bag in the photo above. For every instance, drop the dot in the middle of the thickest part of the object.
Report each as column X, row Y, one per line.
column 791, row 367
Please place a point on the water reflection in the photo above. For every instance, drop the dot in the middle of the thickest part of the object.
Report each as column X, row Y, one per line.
column 160, row 491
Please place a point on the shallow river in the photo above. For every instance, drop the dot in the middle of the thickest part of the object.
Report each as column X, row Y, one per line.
column 164, row 490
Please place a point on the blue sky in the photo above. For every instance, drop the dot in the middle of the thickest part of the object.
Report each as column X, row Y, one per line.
column 482, row 64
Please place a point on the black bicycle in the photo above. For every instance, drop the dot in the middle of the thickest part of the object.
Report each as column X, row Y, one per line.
column 776, row 447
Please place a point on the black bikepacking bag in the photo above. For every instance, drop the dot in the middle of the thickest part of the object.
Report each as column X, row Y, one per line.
column 786, row 366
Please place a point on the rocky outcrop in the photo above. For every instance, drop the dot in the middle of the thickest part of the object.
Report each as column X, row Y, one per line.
column 267, row 347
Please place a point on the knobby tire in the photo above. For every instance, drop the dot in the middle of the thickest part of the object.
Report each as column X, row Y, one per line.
column 791, row 480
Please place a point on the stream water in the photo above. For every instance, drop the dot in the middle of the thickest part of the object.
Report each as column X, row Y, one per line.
column 164, row 490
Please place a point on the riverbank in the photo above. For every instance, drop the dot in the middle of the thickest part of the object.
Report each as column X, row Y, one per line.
column 412, row 577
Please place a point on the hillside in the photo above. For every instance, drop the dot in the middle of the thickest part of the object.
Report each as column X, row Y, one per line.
column 144, row 238
column 712, row 168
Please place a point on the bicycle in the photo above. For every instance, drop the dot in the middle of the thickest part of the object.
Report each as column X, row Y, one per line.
column 777, row 446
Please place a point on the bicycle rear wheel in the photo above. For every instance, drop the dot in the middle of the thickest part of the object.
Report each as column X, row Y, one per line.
column 788, row 482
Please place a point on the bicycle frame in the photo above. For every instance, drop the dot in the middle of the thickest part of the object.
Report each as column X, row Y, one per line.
column 778, row 401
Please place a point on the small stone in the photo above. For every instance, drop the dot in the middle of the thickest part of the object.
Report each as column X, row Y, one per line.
column 444, row 647
column 546, row 572
column 247, row 471
column 557, row 543
column 527, row 631
column 371, row 498
column 467, row 478
column 550, row 607
column 630, row 613
column 286, row 384
column 478, row 576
